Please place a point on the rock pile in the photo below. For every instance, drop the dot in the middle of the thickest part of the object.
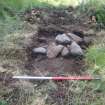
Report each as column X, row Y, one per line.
column 65, row 45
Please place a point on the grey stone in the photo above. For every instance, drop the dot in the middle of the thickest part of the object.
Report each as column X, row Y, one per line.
column 63, row 39
column 74, row 37
column 65, row 52
column 53, row 50
column 75, row 49
column 40, row 50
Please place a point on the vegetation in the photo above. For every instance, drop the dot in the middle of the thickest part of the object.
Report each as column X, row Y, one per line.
column 96, row 59
column 3, row 103
column 11, row 9
column 96, row 55
column 96, row 8
column 15, row 6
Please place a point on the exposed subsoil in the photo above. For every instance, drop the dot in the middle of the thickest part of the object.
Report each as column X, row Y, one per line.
column 50, row 24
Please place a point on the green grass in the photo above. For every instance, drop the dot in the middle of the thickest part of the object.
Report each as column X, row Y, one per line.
column 96, row 60
column 21, row 5
column 9, row 10
column 3, row 103
column 9, row 25
column 92, row 4
column 96, row 8
column 96, row 55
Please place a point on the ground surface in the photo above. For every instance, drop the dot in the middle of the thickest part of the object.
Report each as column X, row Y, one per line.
column 49, row 23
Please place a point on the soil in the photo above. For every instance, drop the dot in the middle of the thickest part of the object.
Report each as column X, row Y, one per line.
column 51, row 23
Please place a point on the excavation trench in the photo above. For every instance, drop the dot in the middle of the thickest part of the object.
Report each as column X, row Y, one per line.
column 50, row 24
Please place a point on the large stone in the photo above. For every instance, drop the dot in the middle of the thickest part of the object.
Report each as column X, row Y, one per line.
column 65, row 52
column 75, row 49
column 63, row 39
column 40, row 50
column 74, row 37
column 54, row 50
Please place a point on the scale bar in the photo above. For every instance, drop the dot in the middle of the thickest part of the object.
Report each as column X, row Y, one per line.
column 57, row 78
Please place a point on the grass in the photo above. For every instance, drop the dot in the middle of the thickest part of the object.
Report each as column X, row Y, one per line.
column 96, row 57
column 3, row 103
column 94, row 8
column 96, row 60
column 92, row 4
column 10, row 10
column 21, row 5
column 76, row 91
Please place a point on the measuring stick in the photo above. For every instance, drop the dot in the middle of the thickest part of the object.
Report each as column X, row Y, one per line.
column 57, row 78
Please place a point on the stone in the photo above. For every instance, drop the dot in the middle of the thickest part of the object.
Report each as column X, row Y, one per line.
column 63, row 39
column 87, row 40
column 54, row 50
column 65, row 52
column 89, row 32
column 40, row 50
column 75, row 49
column 2, row 70
column 74, row 37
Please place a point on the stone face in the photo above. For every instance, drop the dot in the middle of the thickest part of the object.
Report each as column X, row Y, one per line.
column 40, row 50
column 63, row 39
column 65, row 52
column 54, row 50
column 75, row 49
column 75, row 37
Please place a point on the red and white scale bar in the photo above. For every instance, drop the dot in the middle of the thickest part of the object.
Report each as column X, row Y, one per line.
column 57, row 78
